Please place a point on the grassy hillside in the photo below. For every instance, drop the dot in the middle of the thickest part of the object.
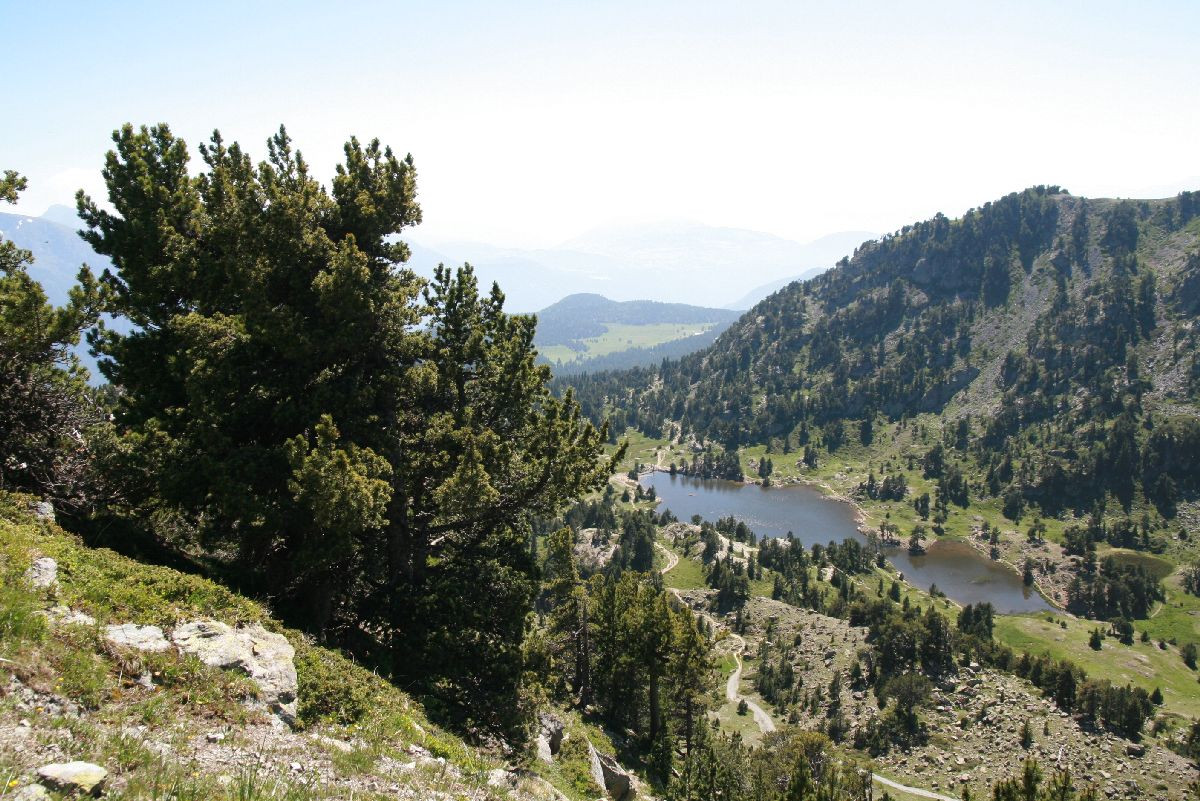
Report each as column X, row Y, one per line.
column 589, row 332
column 167, row 725
column 619, row 337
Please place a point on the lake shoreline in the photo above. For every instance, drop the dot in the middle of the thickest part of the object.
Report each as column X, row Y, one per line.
column 860, row 518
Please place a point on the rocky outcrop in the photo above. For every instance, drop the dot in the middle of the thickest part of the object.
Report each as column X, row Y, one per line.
column 611, row 776
column 43, row 573
column 593, row 549
column 264, row 656
column 142, row 638
column 65, row 616
column 82, row 778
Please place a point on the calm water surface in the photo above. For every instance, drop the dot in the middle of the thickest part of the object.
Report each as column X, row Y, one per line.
column 958, row 569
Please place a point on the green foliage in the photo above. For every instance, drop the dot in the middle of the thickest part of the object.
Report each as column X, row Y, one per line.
column 330, row 690
column 373, row 447
column 1188, row 654
column 45, row 405
column 85, row 678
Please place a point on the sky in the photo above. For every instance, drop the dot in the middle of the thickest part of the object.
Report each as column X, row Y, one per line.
column 532, row 122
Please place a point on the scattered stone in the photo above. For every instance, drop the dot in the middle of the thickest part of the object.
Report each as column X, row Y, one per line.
column 609, row 775
column 73, row 777
column 333, row 742
column 141, row 638
column 1135, row 750
column 501, row 779
column 31, row 792
column 44, row 511
column 264, row 656
column 43, row 573
column 65, row 616
column 215, row 736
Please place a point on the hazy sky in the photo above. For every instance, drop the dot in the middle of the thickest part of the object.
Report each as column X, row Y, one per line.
column 531, row 122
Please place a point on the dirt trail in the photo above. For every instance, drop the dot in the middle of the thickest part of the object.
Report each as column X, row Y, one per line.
column 733, row 685
column 764, row 721
column 917, row 791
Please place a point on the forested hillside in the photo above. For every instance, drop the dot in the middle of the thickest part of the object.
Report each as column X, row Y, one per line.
column 1054, row 335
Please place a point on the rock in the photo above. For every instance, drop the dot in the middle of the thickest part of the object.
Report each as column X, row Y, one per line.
column 73, row 777
column 43, row 573
column 1135, row 750
column 333, row 742
column 609, row 775
column 65, row 616
column 31, row 792
column 141, row 638
column 264, row 656
column 550, row 736
column 215, row 736
column 501, row 779
column 44, row 511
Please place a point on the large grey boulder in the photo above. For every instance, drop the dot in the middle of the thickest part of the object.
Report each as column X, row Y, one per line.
column 131, row 635
column 264, row 656
column 43, row 573
column 550, row 736
column 609, row 775
column 82, row 778
column 44, row 510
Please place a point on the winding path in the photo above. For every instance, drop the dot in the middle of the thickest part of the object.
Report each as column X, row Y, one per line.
column 764, row 721
column 917, row 791
column 733, row 685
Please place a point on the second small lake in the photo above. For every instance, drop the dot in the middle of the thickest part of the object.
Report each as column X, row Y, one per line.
column 964, row 574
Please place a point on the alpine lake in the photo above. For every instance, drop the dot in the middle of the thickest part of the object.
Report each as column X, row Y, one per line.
column 962, row 573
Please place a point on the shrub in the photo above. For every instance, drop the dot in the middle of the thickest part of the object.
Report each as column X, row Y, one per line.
column 331, row 688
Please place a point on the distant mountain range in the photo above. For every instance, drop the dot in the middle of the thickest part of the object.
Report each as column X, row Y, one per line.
column 589, row 332
column 752, row 297
column 681, row 262
column 58, row 251
column 58, row 254
column 604, row 276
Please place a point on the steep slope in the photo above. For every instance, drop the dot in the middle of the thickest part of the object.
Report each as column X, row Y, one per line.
column 87, row 675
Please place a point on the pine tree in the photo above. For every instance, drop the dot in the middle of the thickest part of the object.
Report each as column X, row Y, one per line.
column 45, row 405
column 374, row 451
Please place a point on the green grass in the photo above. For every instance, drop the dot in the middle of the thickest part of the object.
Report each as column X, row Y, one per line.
column 687, row 575
column 641, row 450
column 1177, row 619
column 620, row 337
column 1141, row 664
column 1154, row 565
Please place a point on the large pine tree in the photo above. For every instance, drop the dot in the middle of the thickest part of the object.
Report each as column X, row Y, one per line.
column 368, row 453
